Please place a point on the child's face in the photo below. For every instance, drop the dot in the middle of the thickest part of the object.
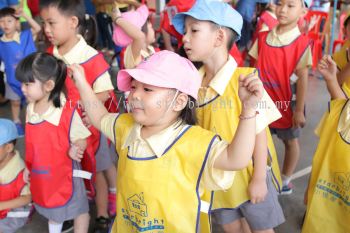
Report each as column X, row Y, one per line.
column 150, row 105
column 288, row 12
column 8, row 24
column 34, row 91
column 199, row 39
column 58, row 28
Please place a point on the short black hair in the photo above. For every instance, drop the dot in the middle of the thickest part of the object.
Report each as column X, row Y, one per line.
column 8, row 11
column 66, row 7
column 188, row 114
column 346, row 21
column 43, row 67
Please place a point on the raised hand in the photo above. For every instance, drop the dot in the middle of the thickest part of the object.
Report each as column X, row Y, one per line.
column 250, row 90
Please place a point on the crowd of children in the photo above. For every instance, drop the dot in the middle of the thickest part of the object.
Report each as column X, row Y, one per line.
column 195, row 144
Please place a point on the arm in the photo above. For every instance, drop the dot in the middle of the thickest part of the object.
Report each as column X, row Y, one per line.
column 328, row 69
column 137, row 36
column 257, row 188
column 92, row 105
column 240, row 150
column 298, row 114
column 16, row 203
column 35, row 27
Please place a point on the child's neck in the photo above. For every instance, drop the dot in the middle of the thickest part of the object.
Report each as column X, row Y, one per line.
column 41, row 106
column 6, row 160
column 283, row 28
column 212, row 67
column 10, row 35
column 68, row 45
column 148, row 131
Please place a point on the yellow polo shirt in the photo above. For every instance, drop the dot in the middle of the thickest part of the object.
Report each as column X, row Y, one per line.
column 11, row 170
column 268, row 111
column 284, row 39
column 81, row 52
column 53, row 116
column 213, row 179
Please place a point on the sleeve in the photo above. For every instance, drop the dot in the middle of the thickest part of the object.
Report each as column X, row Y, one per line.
column 267, row 113
column 108, row 126
column 253, row 52
column 103, row 83
column 216, row 179
column 78, row 130
column 264, row 28
column 25, row 190
column 306, row 59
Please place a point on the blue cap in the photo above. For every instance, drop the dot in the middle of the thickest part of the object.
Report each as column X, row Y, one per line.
column 215, row 11
column 8, row 131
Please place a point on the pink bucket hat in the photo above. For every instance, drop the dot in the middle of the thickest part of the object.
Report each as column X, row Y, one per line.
column 163, row 69
column 137, row 18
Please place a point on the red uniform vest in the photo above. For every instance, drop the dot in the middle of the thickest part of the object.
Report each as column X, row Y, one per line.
column 94, row 68
column 11, row 191
column 51, row 168
column 276, row 65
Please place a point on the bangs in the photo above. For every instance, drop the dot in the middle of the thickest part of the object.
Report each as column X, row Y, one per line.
column 24, row 70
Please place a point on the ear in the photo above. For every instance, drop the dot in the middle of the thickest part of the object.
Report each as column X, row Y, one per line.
column 49, row 85
column 9, row 147
column 220, row 37
column 74, row 22
column 180, row 102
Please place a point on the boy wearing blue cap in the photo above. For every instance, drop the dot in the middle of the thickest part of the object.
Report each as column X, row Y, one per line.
column 210, row 28
column 14, row 192
column 278, row 54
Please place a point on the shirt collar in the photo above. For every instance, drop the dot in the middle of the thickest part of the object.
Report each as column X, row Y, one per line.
column 73, row 55
column 52, row 114
column 223, row 76
column 16, row 38
column 287, row 37
column 158, row 142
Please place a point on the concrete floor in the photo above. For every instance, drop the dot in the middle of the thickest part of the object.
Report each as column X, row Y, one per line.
column 293, row 207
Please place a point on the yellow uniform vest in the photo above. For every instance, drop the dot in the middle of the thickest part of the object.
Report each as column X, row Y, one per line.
column 328, row 208
column 221, row 115
column 161, row 195
column 340, row 57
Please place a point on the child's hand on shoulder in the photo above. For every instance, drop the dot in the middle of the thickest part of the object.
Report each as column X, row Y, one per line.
column 328, row 68
column 76, row 72
column 250, row 90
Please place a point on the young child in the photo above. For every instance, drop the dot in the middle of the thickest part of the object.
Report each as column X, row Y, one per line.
column 14, row 192
column 53, row 126
column 159, row 171
column 219, row 108
column 328, row 190
column 14, row 46
column 292, row 49
column 61, row 19
column 134, row 31
column 342, row 59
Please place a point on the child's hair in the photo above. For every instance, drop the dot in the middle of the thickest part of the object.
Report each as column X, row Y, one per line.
column 8, row 11
column 144, row 28
column 88, row 29
column 346, row 22
column 66, row 7
column 43, row 67
column 188, row 114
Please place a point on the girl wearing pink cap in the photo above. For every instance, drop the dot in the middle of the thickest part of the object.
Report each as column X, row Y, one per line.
column 165, row 161
column 135, row 33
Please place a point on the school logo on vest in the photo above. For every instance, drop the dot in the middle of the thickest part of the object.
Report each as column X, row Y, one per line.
column 136, row 215
column 137, row 205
